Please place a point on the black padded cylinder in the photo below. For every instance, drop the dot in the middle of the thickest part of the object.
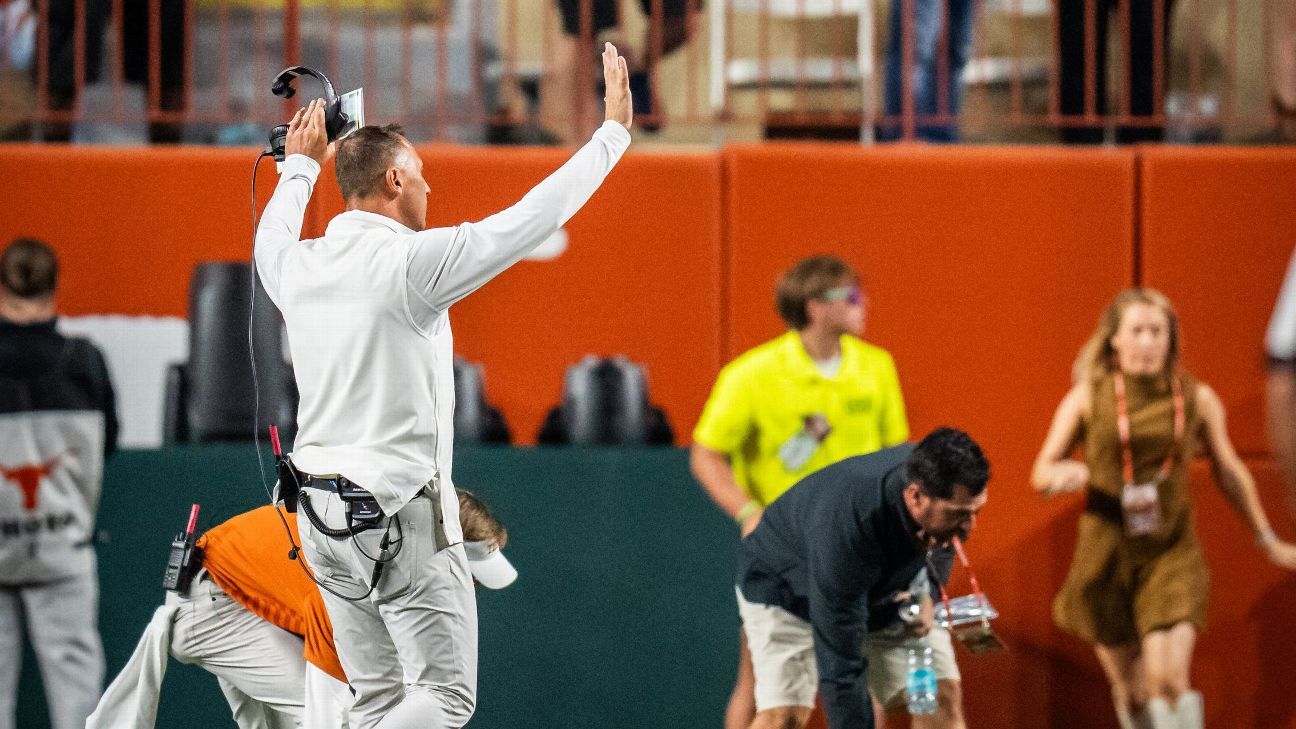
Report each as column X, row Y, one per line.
column 222, row 398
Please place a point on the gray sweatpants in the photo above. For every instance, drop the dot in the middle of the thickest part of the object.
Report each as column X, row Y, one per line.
column 62, row 619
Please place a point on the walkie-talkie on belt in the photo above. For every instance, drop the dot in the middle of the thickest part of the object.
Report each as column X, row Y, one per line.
column 289, row 478
column 185, row 559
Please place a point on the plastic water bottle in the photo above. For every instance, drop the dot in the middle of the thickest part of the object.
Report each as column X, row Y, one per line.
column 920, row 681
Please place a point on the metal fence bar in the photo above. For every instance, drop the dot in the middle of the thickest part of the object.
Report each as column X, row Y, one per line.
column 154, row 59
column 483, row 46
column 442, row 83
column 406, row 62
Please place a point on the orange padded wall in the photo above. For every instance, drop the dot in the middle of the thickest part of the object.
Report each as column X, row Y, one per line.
column 640, row 277
column 985, row 271
column 131, row 224
column 1218, row 227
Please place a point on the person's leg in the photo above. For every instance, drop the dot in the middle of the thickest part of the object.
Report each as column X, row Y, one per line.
column 1283, row 96
column 742, row 702
column 949, row 708
column 364, row 647
column 665, row 33
column 1280, row 411
column 262, row 663
column 893, row 85
column 926, row 19
column 248, row 712
column 368, row 656
column 434, row 628
column 677, row 20
column 328, row 700
column 1144, row 64
column 63, row 619
column 782, row 717
column 171, row 92
column 889, row 667
column 782, row 652
column 1284, row 79
column 946, row 80
column 879, row 714
column 1122, row 666
column 410, row 648
column 1074, row 35
column 11, row 650
column 1167, row 658
column 569, row 108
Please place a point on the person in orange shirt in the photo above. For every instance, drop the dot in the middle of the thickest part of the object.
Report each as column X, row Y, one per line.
column 255, row 619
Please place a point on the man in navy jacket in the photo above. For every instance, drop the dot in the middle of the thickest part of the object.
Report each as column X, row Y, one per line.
column 832, row 550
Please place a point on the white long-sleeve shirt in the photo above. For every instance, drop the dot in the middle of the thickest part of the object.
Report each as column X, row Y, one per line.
column 366, row 313
column 1280, row 337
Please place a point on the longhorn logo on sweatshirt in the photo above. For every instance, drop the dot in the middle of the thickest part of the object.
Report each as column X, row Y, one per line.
column 28, row 478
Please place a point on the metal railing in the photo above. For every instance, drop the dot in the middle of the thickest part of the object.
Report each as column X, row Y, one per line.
column 524, row 70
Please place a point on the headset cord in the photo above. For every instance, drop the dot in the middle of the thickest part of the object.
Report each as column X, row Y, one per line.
column 295, row 552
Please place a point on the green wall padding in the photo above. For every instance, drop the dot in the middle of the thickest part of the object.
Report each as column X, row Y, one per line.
column 622, row 616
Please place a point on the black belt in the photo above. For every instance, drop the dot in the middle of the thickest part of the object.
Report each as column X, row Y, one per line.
column 362, row 510
column 336, row 484
column 1104, row 505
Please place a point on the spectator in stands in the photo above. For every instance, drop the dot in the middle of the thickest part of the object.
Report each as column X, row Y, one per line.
column 940, row 41
column 1283, row 98
column 810, row 397
column 1147, row 71
column 59, row 423
column 254, row 619
column 58, row 49
column 136, row 28
column 169, row 83
column 1280, row 388
column 828, row 552
column 569, row 97
column 1137, row 584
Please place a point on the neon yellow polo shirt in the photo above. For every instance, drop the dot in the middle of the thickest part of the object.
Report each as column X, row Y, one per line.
column 762, row 398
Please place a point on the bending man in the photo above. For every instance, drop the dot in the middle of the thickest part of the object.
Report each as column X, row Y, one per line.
column 840, row 542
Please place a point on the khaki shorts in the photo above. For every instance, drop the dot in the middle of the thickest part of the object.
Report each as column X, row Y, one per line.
column 782, row 649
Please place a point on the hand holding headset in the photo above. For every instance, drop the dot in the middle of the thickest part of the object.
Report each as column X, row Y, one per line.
column 335, row 120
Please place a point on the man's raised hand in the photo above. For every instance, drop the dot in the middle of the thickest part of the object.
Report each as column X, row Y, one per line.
column 616, row 81
column 307, row 134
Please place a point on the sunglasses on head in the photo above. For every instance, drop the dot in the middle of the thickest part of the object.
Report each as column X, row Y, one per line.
column 850, row 294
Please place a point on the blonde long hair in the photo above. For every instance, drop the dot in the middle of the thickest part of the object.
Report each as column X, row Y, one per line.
column 1097, row 358
column 479, row 524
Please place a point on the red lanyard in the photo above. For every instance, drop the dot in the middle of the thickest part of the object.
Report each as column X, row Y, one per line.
column 1123, row 427
column 976, row 586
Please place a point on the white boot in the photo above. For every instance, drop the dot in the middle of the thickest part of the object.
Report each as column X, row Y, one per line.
column 1189, row 710
column 1159, row 715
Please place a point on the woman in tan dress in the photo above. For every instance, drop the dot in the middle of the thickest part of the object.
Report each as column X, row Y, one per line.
column 1137, row 584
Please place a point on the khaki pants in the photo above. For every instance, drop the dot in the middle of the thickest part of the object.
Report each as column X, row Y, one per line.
column 409, row 648
column 782, row 648
column 259, row 666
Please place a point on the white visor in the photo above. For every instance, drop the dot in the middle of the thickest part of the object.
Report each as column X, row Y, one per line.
column 489, row 566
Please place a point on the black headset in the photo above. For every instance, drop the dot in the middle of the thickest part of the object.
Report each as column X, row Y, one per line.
column 335, row 120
